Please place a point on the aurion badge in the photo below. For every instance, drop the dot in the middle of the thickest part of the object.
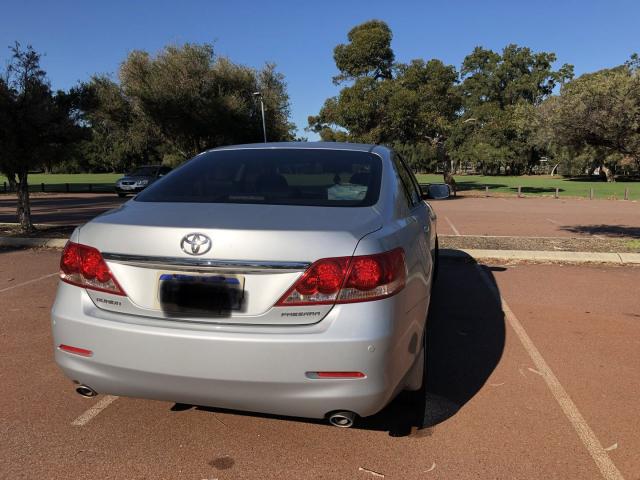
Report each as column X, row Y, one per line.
column 195, row 243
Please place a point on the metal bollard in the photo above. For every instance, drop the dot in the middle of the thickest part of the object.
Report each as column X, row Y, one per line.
column 591, row 194
column 5, row 187
column 626, row 193
column 519, row 191
column 486, row 190
column 66, row 187
column 42, row 187
column 557, row 192
column 90, row 187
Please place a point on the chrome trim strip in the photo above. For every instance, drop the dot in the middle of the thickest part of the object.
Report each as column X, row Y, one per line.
column 204, row 264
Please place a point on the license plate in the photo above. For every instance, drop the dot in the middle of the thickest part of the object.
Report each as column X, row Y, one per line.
column 200, row 295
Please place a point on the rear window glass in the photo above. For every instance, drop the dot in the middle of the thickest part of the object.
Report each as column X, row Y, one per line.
column 273, row 176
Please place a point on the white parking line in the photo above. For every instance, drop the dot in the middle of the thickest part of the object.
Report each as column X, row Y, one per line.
column 600, row 456
column 87, row 416
column 455, row 230
column 17, row 285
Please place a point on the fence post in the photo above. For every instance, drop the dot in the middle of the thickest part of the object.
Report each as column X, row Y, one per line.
column 626, row 193
column 486, row 190
column 519, row 191
column 66, row 187
column 557, row 192
column 591, row 194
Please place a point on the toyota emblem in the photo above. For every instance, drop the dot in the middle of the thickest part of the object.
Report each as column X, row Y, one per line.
column 195, row 243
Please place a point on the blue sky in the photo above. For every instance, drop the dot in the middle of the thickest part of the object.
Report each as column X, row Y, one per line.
column 80, row 38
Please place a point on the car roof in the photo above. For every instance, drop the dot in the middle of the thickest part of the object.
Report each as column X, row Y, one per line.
column 358, row 147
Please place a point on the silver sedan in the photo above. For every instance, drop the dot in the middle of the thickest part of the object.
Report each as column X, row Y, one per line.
column 284, row 278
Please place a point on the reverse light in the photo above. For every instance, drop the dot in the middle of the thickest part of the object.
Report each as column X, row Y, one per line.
column 348, row 280
column 84, row 266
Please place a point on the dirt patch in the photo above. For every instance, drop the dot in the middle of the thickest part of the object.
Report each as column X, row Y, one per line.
column 551, row 244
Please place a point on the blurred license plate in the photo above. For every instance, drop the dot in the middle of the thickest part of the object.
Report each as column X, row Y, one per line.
column 209, row 295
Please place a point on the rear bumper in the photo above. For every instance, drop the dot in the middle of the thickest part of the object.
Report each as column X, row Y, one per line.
column 260, row 369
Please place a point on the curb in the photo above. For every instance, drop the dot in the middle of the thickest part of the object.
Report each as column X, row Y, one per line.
column 32, row 242
column 543, row 256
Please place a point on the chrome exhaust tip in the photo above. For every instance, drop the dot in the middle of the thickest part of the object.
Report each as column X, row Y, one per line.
column 85, row 391
column 342, row 419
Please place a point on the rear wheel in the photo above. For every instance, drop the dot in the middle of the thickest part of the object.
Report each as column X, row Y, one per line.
column 436, row 263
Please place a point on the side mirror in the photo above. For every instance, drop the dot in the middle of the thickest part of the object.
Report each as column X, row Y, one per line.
column 435, row 191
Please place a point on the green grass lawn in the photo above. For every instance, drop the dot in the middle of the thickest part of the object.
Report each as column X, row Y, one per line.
column 531, row 185
column 58, row 178
column 540, row 185
column 57, row 182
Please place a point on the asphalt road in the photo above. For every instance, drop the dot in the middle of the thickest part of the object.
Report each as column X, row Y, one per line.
column 539, row 217
column 544, row 385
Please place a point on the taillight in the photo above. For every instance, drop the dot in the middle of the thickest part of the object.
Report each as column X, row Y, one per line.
column 348, row 279
column 84, row 266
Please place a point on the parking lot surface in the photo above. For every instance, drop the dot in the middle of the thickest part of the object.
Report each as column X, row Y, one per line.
column 545, row 217
column 498, row 337
column 538, row 217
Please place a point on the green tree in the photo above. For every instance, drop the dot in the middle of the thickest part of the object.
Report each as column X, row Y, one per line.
column 36, row 125
column 497, row 92
column 600, row 111
column 198, row 101
column 368, row 52
column 121, row 136
column 403, row 104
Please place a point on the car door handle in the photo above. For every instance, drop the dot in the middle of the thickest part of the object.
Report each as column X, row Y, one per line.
column 426, row 229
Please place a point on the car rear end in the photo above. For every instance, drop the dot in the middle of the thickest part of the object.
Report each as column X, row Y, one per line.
column 296, row 306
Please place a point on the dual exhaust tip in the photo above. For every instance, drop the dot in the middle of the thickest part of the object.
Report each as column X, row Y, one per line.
column 340, row 419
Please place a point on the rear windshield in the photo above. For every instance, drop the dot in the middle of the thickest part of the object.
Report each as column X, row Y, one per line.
column 273, row 176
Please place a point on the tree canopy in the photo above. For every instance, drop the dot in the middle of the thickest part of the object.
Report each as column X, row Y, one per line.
column 178, row 103
column 598, row 112
column 368, row 52
column 501, row 112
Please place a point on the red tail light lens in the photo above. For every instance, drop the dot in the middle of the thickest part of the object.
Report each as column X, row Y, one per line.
column 84, row 266
column 319, row 285
column 349, row 279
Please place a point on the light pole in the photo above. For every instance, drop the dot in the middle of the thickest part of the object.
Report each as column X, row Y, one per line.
column 264, row 125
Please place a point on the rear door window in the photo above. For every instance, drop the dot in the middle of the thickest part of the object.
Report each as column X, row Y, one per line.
column 312, row 177
column 412, row 194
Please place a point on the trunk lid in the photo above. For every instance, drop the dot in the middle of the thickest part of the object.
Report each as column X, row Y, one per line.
column 261, row 248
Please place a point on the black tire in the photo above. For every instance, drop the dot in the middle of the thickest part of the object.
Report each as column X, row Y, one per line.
column 436, row 263
column 122, row 195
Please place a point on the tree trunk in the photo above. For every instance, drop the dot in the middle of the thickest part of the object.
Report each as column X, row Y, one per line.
column 608, row 173
column 24, row 206
column 12, row 183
